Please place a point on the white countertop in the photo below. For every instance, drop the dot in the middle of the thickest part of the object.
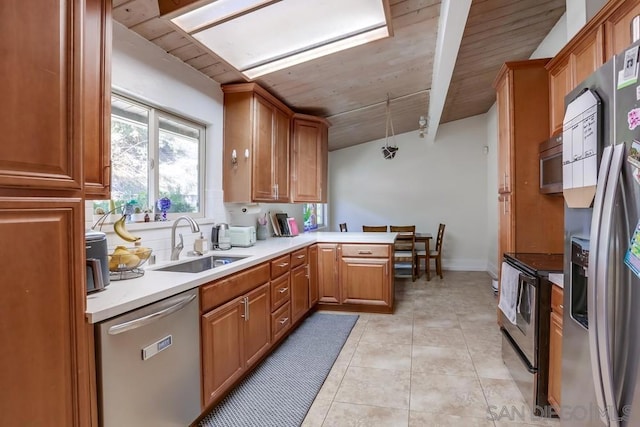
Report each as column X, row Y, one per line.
column 557, row 279
column 125, row 295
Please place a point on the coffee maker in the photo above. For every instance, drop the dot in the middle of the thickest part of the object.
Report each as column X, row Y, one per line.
column 220, row 238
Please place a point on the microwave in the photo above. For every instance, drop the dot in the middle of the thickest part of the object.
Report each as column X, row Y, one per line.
column 551, row 166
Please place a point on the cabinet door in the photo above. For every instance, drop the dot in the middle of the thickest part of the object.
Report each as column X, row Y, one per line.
column 44, row 359
column 97, row 99
column 505, row 118
column 41, row 118
column 257, row 324
column 365, row 281
column 559, row 86
column 222, row 348
column 281, row 156
column 617, row 27
column 505, row 225
column 328, row 286
column 313, row 275
column 299, row 292
column 586, row 57
column 262, row 184
column 307, row 156
column 555, row 361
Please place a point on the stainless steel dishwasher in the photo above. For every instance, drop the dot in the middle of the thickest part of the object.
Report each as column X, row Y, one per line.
column 149, row 365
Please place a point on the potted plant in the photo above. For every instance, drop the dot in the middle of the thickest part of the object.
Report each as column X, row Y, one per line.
column 98, row 214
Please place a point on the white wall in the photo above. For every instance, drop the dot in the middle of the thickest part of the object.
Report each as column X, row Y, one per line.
column 423, row 185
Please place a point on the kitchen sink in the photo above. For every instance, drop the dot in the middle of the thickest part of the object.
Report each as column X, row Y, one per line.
column 201, row 264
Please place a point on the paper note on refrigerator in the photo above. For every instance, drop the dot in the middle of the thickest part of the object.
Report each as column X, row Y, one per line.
column 580, row 150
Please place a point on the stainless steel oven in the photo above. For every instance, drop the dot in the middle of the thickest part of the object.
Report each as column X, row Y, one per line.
column 525, row 344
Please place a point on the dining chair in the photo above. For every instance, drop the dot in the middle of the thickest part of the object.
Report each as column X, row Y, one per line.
column 378, row 228
column 343, row 227
column 405, row 247
column 435, row 254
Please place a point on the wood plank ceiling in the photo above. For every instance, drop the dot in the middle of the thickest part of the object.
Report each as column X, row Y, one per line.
column 350, row 88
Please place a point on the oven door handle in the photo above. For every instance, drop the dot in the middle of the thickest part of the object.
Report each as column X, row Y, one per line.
column 522, row 357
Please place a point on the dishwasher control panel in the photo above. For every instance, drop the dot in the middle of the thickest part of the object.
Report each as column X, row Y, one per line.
column 155, row 348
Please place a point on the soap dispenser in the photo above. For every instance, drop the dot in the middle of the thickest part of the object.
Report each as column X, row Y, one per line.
column 201, row 244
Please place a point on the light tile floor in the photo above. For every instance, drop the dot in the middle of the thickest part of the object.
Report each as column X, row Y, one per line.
column 435, row 362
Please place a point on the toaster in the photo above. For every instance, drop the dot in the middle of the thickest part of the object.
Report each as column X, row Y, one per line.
column 242, row 236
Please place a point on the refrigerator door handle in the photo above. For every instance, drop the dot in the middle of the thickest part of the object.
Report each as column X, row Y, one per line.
column 602, row 303
column 592, row 277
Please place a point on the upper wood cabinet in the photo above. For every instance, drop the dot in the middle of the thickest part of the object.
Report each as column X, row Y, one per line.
column 42, row 108
column 309, row 153
column 604, row 36
column 505, row 117
column 97, row 99
column 560, row 82
column 567, row 70
column 617, row 26
column 256, row 145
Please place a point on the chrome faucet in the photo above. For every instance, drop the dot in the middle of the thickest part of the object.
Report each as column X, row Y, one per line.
column 175, row 250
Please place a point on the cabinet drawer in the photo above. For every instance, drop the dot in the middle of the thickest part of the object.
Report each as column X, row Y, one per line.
column 281, row 265
column 223, row 290
column 557, row 294
column 280, row 291
column 377, row 251
column 280, row 321
column 299, row 257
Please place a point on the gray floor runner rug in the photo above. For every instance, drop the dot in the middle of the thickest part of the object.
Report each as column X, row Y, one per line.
column 281, row 389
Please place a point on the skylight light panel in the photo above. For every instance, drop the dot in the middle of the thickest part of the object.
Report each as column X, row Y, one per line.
column 286, row 32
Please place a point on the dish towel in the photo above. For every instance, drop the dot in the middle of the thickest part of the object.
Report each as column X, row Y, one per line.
column 509, row 291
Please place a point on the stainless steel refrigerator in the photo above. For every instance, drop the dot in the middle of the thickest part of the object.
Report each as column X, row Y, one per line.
column 601, row 325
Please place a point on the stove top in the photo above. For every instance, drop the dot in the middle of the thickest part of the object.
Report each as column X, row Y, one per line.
column 538, row 263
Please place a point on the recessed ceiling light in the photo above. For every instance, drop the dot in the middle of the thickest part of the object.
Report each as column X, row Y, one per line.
column 258, row 37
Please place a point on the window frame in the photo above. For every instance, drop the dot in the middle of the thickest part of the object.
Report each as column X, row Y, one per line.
column 155, row 113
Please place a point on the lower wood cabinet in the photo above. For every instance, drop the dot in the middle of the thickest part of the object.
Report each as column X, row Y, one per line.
column 313, row 275
column 234, row 337
column 365, row 275
column 365, row 281
column 299, row 292
column 355, row 277
column 555, row 348
column 328, row 285
column 46, row 357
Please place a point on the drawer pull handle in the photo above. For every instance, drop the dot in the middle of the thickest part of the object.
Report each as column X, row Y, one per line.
column 283, row 290
column 300, row 257
column 365, row 252
column 283, row 321
column 284, row 264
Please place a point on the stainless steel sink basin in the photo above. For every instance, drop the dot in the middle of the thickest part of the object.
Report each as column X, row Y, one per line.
column 201, row 264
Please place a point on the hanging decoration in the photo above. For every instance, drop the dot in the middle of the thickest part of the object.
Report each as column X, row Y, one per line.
column 389, row 151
